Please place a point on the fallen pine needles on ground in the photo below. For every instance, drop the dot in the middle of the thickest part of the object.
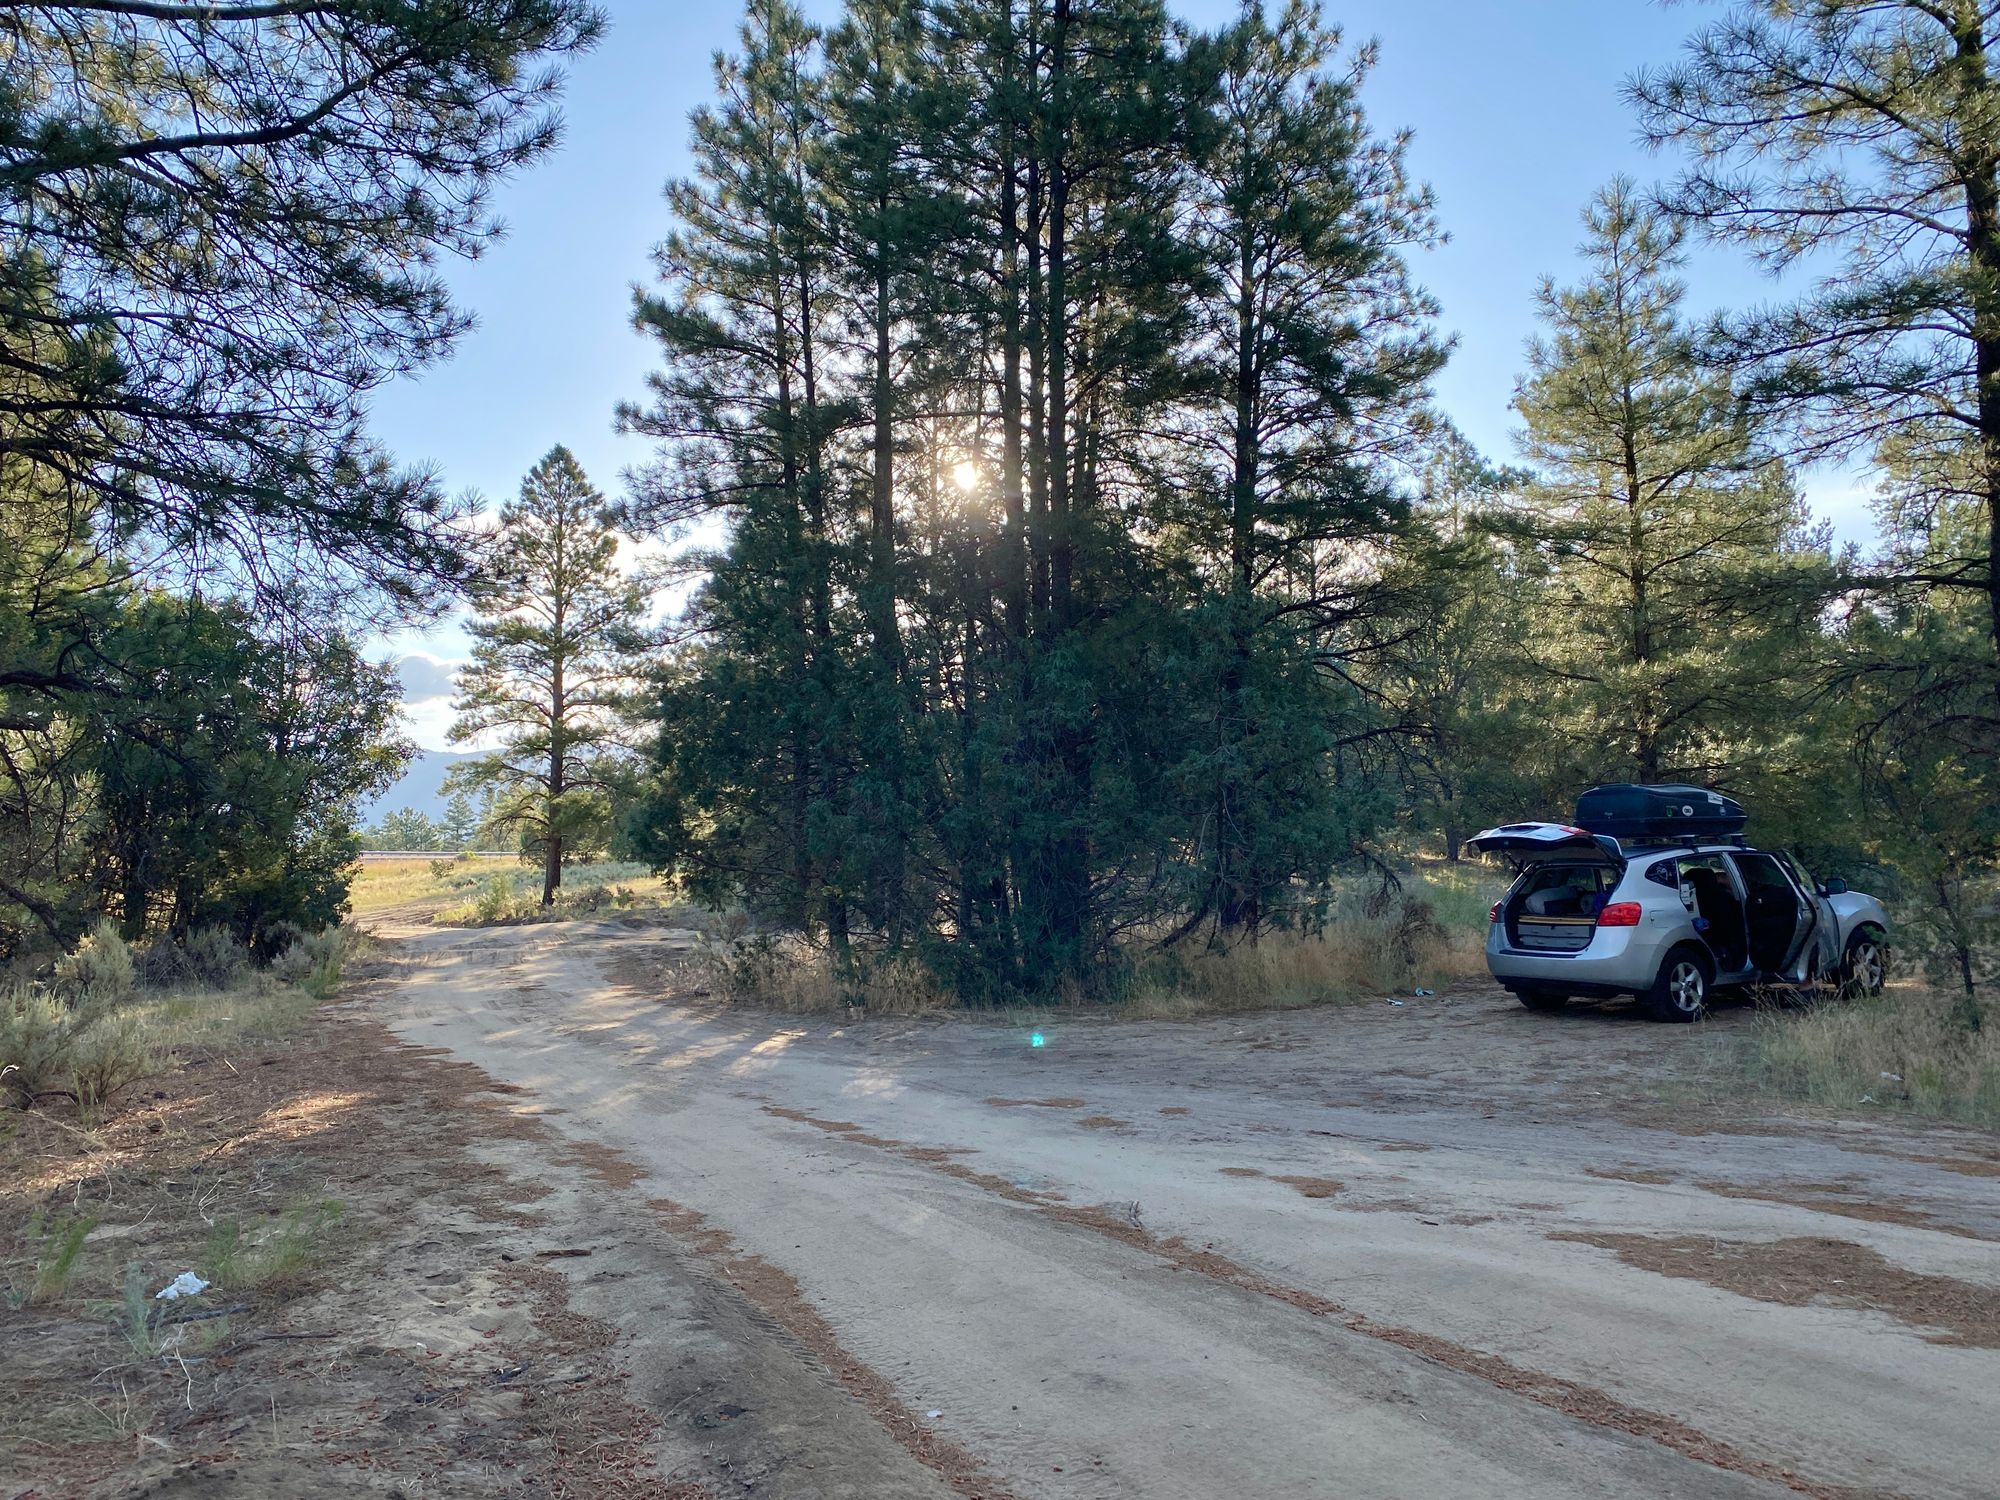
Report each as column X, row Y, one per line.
column 357, row 1319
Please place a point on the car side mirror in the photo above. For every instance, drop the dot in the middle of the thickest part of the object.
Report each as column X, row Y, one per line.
column 1835, row 887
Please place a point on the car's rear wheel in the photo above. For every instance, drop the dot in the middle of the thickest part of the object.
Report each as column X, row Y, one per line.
column 1542, row 999
column 1864, row 969
column 1681, row 990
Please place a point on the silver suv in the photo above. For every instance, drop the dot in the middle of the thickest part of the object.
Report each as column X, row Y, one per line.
column 1669, row 921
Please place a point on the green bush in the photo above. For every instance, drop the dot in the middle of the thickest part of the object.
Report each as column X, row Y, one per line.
column 99, row 972
column 215, row 957
column 88, row 1050
column 496, row 901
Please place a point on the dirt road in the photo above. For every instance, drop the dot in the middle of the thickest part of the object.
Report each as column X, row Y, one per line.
column 1446, row 1248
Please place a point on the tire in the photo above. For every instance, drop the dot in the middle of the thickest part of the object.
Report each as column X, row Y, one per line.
column 1682, row 988
column 1542, row 1000
column 1864, row 967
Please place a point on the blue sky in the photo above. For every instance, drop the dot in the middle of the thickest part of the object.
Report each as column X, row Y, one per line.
column 1517, row 116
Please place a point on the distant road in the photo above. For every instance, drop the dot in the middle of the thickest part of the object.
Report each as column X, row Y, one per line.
column 368, row 854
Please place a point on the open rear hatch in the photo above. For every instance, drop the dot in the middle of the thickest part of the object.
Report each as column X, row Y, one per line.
column 1568, row 875
column 1532, row 843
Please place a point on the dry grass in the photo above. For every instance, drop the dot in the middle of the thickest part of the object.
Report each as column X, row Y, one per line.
column 1429, row 934
column 1358, row 957
column 1361, row 954
column 788, row 974
column 1903, row 1051
column 481, row 890
column 89, row 1051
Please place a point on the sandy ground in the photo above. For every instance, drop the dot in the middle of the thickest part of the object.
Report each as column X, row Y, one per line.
column 1445, row 1248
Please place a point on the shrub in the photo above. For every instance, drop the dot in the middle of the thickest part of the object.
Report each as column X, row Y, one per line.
column 496, row 901
column 208, row 958
column 99, row 972
column 293, row 965
column 106, row 1057
column 88, row 1050
column 36, row 1034
column 275, row 939
column 316, row 960
column 329, row 951
column 215, row 957
column 163, row 965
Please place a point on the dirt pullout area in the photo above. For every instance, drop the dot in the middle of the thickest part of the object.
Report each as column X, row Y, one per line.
column 420, row 1291
column 1818, row 1272
column 1312, row 1256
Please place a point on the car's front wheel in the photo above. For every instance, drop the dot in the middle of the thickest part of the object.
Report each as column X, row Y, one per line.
column 1680, row 992
column 1865, row 967
column 1542, row 999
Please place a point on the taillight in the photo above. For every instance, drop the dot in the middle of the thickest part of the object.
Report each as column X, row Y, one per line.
column 1619, row 914
column 1493, row 911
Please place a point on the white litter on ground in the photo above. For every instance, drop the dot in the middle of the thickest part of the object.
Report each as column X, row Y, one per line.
column 187, row 1284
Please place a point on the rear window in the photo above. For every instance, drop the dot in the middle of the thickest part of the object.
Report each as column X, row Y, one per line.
column 1565, row 891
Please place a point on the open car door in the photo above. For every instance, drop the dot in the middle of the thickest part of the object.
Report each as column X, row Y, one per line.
column 1533, row 843
column 1781, row 918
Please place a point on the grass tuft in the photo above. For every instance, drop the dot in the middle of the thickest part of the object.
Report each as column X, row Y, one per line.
column 298, row 1242
column 1430, row 933
column 137, row 1315
column 57, row 1252
column 1909, row 1049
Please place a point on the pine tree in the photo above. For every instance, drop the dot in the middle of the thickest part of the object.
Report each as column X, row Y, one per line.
column 1312, row 357
column 557, row 647
column 220, row 226
column 1456, row 669
column 761, row 738
column 1863, row 129
column 938, row 293
column 460, row 823
column 406, row 830
column 1680, row 548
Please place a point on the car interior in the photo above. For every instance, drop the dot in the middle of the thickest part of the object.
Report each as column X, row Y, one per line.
column 1556, row 907
column 1772, row 911
column 1563, row 891
column 1710, row 894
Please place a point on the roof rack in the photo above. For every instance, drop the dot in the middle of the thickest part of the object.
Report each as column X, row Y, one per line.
column 1670, row 841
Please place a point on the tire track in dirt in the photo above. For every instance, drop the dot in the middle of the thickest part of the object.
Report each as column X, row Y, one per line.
column 1571, row 1398
column 774, row 1293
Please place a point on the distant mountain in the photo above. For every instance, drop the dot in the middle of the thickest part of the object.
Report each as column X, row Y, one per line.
column 421, row 786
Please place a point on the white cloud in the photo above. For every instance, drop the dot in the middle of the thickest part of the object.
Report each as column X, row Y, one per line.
column 425, row 677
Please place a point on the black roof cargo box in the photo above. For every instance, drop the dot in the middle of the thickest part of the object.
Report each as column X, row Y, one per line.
column 1626, row 811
